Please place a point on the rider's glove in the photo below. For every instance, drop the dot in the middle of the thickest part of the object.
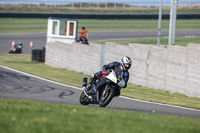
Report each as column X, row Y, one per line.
column 122, row 83
column 104, row 72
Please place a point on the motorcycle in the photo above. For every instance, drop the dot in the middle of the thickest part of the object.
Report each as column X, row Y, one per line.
column 104, row 89
column 83, row 40
column 16, row 49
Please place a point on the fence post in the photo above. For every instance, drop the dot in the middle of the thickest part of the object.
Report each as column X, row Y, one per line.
column 80, row 5
column 124, row 5
column 115, row 5
column 3, row 3
column 102, row 56
column 29, row 4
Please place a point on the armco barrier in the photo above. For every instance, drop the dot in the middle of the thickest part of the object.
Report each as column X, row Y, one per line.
column 174, row 68
column 96, row 16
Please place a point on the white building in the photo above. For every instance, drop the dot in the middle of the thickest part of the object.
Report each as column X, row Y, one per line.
column 62, row 30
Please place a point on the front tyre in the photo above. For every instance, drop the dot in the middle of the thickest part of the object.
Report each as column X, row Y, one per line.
column 83, row 99
column 106, row 96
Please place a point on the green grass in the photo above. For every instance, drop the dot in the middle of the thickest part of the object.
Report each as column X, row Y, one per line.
column 20, row 116
column 181, row 41
column 160, row 96
column 17, row 25
column 131, row 25
column 23, row 63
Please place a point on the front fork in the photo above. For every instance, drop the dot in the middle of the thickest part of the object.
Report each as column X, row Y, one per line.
column 107, row 88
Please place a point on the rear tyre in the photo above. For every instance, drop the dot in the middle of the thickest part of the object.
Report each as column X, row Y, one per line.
column 83, row 99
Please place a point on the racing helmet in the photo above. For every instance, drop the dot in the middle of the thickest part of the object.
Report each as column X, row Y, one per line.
column 126, row 60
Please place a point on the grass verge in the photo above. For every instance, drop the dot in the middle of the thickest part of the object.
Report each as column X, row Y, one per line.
column 23, row 62
column 181, row 41
column 97, row 10
column 17, row 25
column 20, row 116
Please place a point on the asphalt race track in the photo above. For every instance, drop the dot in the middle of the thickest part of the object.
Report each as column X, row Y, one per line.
column 39, row 39
column 19, row 85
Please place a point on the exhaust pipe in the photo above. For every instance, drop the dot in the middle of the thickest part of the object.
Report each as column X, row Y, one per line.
column 84, row 82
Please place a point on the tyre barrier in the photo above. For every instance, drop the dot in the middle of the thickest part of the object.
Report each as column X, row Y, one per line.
column 38, row 55
column 97, row 16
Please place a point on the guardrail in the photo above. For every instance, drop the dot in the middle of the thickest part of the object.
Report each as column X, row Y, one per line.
column 96, row 16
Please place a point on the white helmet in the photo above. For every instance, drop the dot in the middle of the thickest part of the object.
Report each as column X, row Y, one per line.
column 126, row 60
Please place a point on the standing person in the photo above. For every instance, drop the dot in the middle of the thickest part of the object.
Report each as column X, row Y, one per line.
column 125, row 65
column 84, row 32
column 83, row 38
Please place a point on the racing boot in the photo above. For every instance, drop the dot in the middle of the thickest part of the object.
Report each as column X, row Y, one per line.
column 93, row 78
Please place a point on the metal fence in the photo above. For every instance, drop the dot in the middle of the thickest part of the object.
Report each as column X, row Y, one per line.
column 94, row 4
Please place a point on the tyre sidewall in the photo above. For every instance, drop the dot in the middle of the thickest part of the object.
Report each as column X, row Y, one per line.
column 108, row 100
column 83, row 99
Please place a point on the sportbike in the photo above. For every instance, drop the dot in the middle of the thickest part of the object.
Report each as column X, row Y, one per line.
column 104, row 89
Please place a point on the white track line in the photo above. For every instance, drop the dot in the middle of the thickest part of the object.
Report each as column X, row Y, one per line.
column 22, row 33
column 81, row 89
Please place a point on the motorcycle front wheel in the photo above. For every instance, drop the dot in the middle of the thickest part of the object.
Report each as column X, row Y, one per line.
column 106, row 96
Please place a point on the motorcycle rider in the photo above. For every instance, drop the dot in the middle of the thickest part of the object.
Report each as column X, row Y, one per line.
column 19, row 47
column 124, row 66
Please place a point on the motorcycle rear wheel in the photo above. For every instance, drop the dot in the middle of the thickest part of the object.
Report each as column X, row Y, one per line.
column 83, row 99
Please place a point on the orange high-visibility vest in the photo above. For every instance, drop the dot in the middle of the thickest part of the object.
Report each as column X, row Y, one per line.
column 84, row 33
